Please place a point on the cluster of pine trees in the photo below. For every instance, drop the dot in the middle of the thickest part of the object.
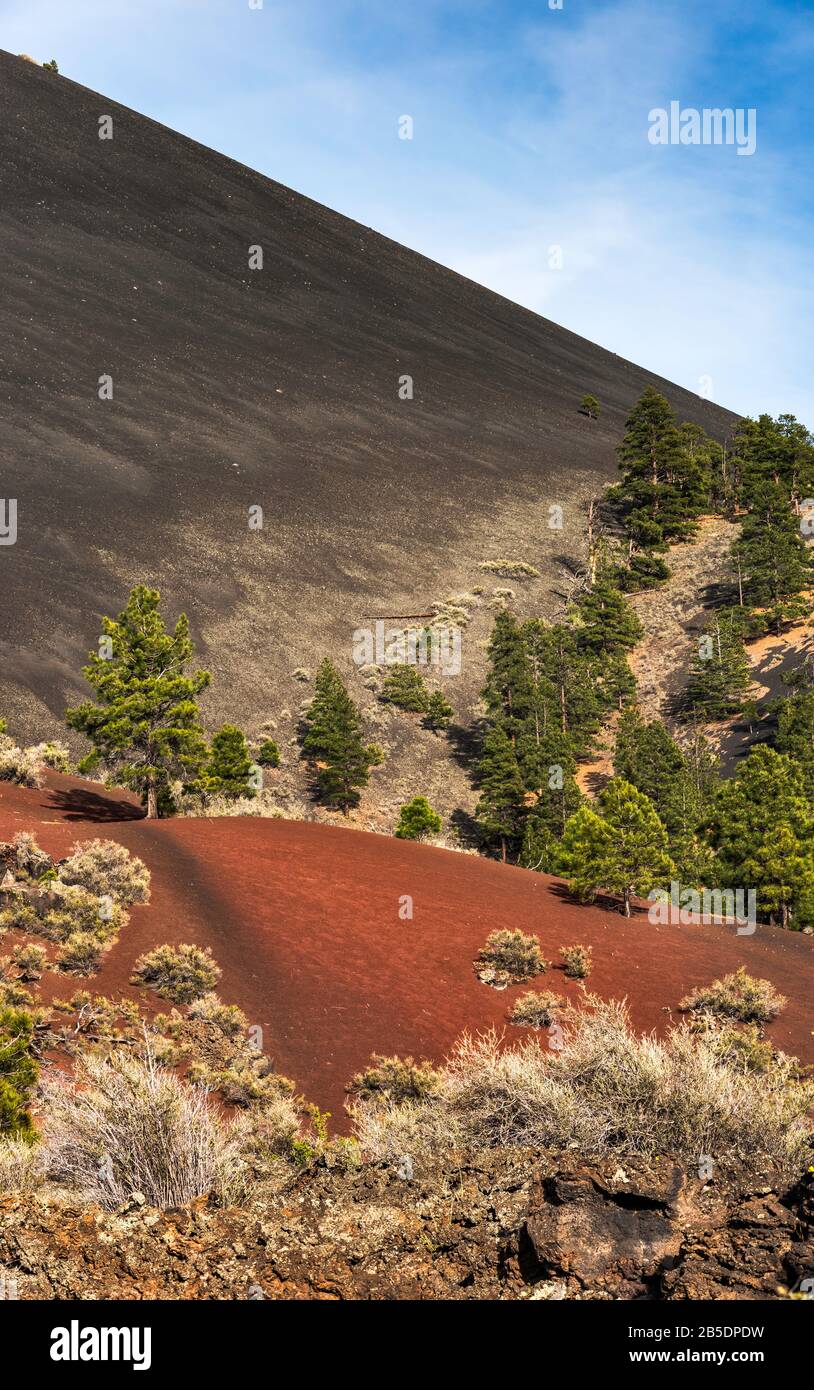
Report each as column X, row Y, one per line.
column 666, row 813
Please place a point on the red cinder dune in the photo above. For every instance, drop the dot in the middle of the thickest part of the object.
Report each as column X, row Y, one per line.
column 304, row 921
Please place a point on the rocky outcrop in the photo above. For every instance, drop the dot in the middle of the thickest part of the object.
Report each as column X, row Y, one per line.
column 507, row 1225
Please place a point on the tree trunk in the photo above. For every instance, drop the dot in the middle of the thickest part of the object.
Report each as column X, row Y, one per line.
column 152, row 801
column 627, row 902
column 503, row 848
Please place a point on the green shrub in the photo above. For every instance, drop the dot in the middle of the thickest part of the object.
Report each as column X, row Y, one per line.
column 577, row 961
column 417, row 819
column 394, row 1080
column 81, row 954
column 269, row 754
column 509, row 956
column 404, row 686
column 536, row 1010
column 180, row 973
column 30, row 960
column 106, row 867
column 738, row 996
column 18, row 1073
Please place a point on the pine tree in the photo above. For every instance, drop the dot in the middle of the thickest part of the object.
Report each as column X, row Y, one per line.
column 18, row 1074
column 230, row 764
column 439, row 712
column 404, row 686
column 508, row 690
column 590, row 406
column 770, row 558
column 625, row 854
column 663, row 487
column 767, row 796
column 795, row 734
column 333, row 739
column 719, row 673
column 501, row 806
column 146, row 727
column 556, row 798
column 417, row 819
column 607, row 623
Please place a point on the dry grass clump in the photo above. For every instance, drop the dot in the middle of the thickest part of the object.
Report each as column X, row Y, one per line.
column 128, row 1126
column 509, row 957
column 20, row 765
column 577, row 961
column 394, row 1079
column 739, row 996
column 536, row 1009
column 510, row 569
column 607, row 1090
column 20, row 1169
column 180, row 973
column 106, row 867
column 53, row 754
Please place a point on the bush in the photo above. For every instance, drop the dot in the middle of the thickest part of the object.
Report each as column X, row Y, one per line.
column 127, row 1126
column 81, row 954
column 417, row 819
column 577, row 961
column 54, row 755
column 509, row 956
column 180, row 973
column 269, row 754
column 606, row 1091
column 510, row 569
column 394, row 1080
column 738, row 996
column 404, row 686
column 25, row 858
column 106, row 867
column 227, row 1018
column 30, row 961
column 18, row 1073
column 68, row 909
column 19, row 1166
column 20, row 765
column 536, row 1010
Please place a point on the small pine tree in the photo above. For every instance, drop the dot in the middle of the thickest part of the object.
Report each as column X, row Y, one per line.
column 622, row 847
column 404, row 686
column 147, row 726
column 52, row 66
column 501, row 806
column 18, row 1073
column 719, row 673
column 439, row 712
column 230, row 764
column 268, row 754
column 590, row 406
column 417, row 819
column 333, row 739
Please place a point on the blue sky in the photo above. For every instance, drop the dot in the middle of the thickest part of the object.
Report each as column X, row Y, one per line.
column 530, row 131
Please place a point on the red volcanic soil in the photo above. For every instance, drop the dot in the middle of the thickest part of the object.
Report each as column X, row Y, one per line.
column 304, row 921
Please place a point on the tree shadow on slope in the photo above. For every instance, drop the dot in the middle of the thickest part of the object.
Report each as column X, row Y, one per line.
column 78, row 803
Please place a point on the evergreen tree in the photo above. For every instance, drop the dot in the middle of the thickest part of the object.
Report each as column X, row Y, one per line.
column 719, row 673
column 556, row 798
column 439, row 712
column 508, row 690
column 146, row 727
column 621, row 847
column 664, row 483
column 501, row 807
column 590, row 406
column 607, row 623
column 268, row 754
column 333, row 739
column 560, row 688
column 230, row 764
column 795, row 734
column 417, row 819
column 18, row 1074
column 763, row 831
column 404, row 686
column 771, row 559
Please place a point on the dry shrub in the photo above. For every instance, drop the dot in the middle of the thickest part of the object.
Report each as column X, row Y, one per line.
column 127, row 1126
column 536, row 1010
column 106, row 867
column 227, row 1018
column 577, row 961
column 30, row 960
column 396, row 1079
column 24, row 856
column 53, row 754
column 509, row 956
column 607, row 1090
column 65, row 909
column 20, row 765
column 19, row 1166
column 81, row 954
column 739, row 996
column 180, row 973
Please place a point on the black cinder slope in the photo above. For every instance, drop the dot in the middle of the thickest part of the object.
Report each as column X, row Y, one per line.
column 235, row 388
